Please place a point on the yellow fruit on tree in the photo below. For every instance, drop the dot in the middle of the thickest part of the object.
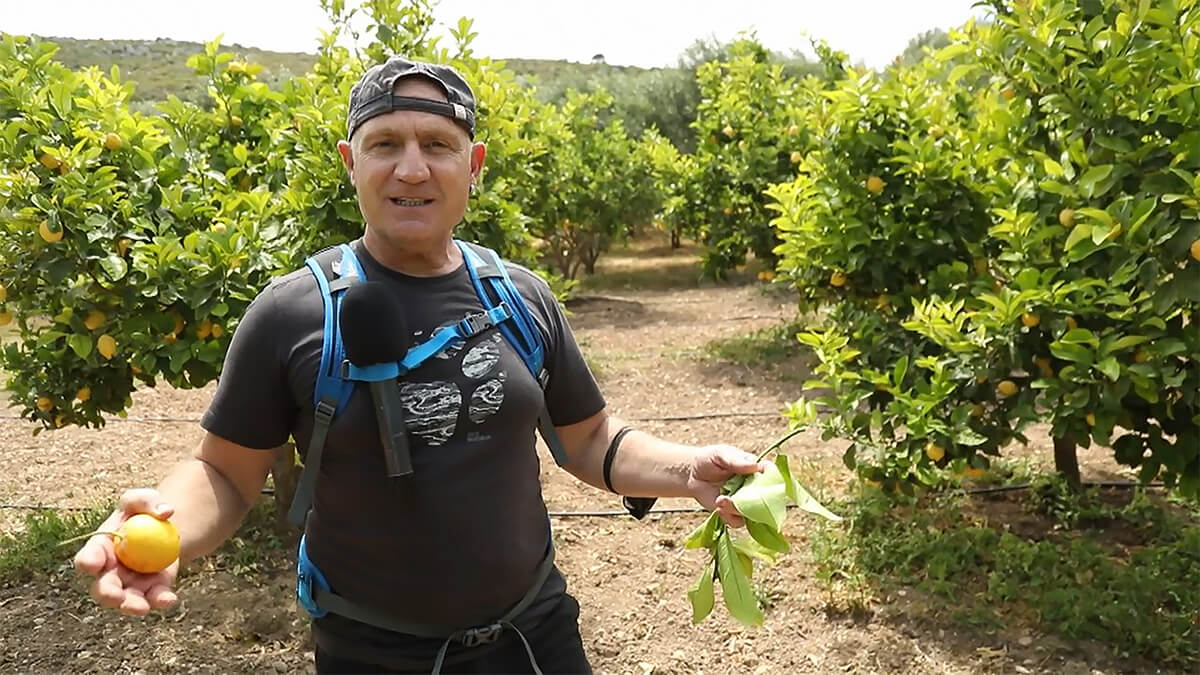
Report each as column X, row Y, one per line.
column 5, row 318
column 793, row 130
column 796, row 157
column 728, row 131
column 123, row 247
column 1141, row 356
column 44, row 403
column 1090, row 418
column 3, row 293
column 84, row 394
column 1008, row 94
column 50, row 161
column 95, row 319
column 1072, row 324
column 1030, row 320
column 49, row 235
column 728, row 210
column 218, row 330
column 219, row 228
column 1195, row 250
column 977, row 410
column 837, row 279
column 204, row 329
column 106, row 345
column 936, row 131
column 874, row 185
column 235, row 122
column 113, row 141
column 1066, row 217
column 935, row 452
column 1006, row 388
column 1044, row 366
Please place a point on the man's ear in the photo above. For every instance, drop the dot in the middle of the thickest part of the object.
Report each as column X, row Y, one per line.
column 347, row 154
column 478, row 154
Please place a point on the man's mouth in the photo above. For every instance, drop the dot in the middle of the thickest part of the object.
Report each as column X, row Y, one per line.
column 401, row 201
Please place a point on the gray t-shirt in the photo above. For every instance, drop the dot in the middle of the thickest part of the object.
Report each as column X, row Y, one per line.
column 456, row 543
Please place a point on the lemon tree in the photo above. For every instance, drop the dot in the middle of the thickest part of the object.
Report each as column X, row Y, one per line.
column 1025, row 252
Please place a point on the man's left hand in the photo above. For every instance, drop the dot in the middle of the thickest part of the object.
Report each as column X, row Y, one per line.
column 712, row 467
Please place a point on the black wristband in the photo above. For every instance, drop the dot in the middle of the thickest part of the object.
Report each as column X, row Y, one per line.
column 610, row 454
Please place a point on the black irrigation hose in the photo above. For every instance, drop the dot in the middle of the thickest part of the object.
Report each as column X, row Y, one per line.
column 668, row 510
column 668, row 418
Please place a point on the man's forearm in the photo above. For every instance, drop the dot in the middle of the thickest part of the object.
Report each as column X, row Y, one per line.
column 208, row 508
column 642, row 466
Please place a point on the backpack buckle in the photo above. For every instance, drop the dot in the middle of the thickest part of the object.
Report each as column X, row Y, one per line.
column 473, row 637
column 475, row 323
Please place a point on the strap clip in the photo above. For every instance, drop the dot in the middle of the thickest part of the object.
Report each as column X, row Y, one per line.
column 473, row 637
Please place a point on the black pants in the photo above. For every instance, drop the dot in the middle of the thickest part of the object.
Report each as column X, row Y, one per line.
column 556, row 644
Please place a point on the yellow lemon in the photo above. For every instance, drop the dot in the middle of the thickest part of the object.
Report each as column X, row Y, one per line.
column 1141, row 356
column 113, row 141
column 5, row 318
column 837, row 279
column 3, row 293
column 123, row 247
column 1066, row 217
column 217, row 330
column 49, row 235
column 728, row 131
column 1044, row 366
column 84, row 394
column 95, row 319
column 1195, row 250
column 44, row 403
column 796, row 157
column 146, row 544
column 793, row 130
column 204, row 329
column 875, row 185
column 1006, row 388
column 1030, row 320
column 977, row 410
column 106, row 345
column 235, row 122
column 1008, row 94
column 50, row 161
column 1072, row 324
column 219, row 228
column 935, row 452
column 1090, row 418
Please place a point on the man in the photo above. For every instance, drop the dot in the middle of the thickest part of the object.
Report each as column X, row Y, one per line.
column 462, row 541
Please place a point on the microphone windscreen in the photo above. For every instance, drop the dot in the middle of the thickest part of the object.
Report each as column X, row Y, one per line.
column 373, row 326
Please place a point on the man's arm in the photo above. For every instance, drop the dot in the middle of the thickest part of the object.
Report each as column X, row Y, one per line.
column 646, row 466
column 212, row 491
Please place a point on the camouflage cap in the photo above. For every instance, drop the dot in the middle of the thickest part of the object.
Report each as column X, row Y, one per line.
column 373, row 94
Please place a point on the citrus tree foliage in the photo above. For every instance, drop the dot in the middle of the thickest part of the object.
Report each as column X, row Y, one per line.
column 132, row 243
column 1022, row 251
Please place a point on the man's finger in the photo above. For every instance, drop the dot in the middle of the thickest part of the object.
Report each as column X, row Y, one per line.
column 740, row 461
column 92, row 558
column 144, row 500
column 134, row 603
column 729, row 513
column 108, row 590
column 160, row 596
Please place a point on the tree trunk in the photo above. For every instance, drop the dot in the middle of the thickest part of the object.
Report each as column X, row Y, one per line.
column 285, row 473
column 675, row 243
column 1067, row 462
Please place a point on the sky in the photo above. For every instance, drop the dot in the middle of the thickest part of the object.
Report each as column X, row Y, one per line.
column 645, row 33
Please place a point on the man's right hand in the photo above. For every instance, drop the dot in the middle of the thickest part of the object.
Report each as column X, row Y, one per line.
column 117, row 586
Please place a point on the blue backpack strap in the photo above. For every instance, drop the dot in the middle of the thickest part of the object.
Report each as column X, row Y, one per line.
column 496, row 289
column 335, row 270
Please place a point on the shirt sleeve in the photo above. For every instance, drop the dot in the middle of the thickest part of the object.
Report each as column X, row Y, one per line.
column 253, row 404
column 572, row 394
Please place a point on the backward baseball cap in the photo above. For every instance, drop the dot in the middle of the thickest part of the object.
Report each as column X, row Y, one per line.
column 374, row 95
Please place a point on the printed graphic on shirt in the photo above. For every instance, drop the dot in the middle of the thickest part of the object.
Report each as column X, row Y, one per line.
column 432, row 409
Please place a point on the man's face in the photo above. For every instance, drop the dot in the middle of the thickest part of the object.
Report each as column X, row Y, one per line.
column 412, row 171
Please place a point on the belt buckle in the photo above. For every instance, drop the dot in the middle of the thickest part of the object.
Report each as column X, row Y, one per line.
column 473, row 637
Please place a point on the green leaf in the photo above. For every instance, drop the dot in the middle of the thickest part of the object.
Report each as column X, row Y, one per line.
column 115, row 267
column 754, row 550
column 1071, row 352
column 789, row 483
column 1079, row 233
column 704, row 535
column 810, row 504
column 80, row 344
column 767, row 536
column 735, row 585
column 1053, row 168
column 701, row 595
column 1091, row 179
column 763, row 497
column 1110, row 367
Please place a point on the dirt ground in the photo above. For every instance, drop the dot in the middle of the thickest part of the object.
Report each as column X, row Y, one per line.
column 643, row 323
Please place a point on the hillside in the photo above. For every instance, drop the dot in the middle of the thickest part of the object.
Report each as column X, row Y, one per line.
column 159, row 67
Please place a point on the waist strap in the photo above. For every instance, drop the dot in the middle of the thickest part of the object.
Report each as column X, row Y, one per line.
column 314, row 594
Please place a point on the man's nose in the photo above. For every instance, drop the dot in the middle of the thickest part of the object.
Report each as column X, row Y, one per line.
column 411, row 166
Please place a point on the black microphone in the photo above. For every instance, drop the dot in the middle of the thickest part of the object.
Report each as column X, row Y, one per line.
column 374, row 333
